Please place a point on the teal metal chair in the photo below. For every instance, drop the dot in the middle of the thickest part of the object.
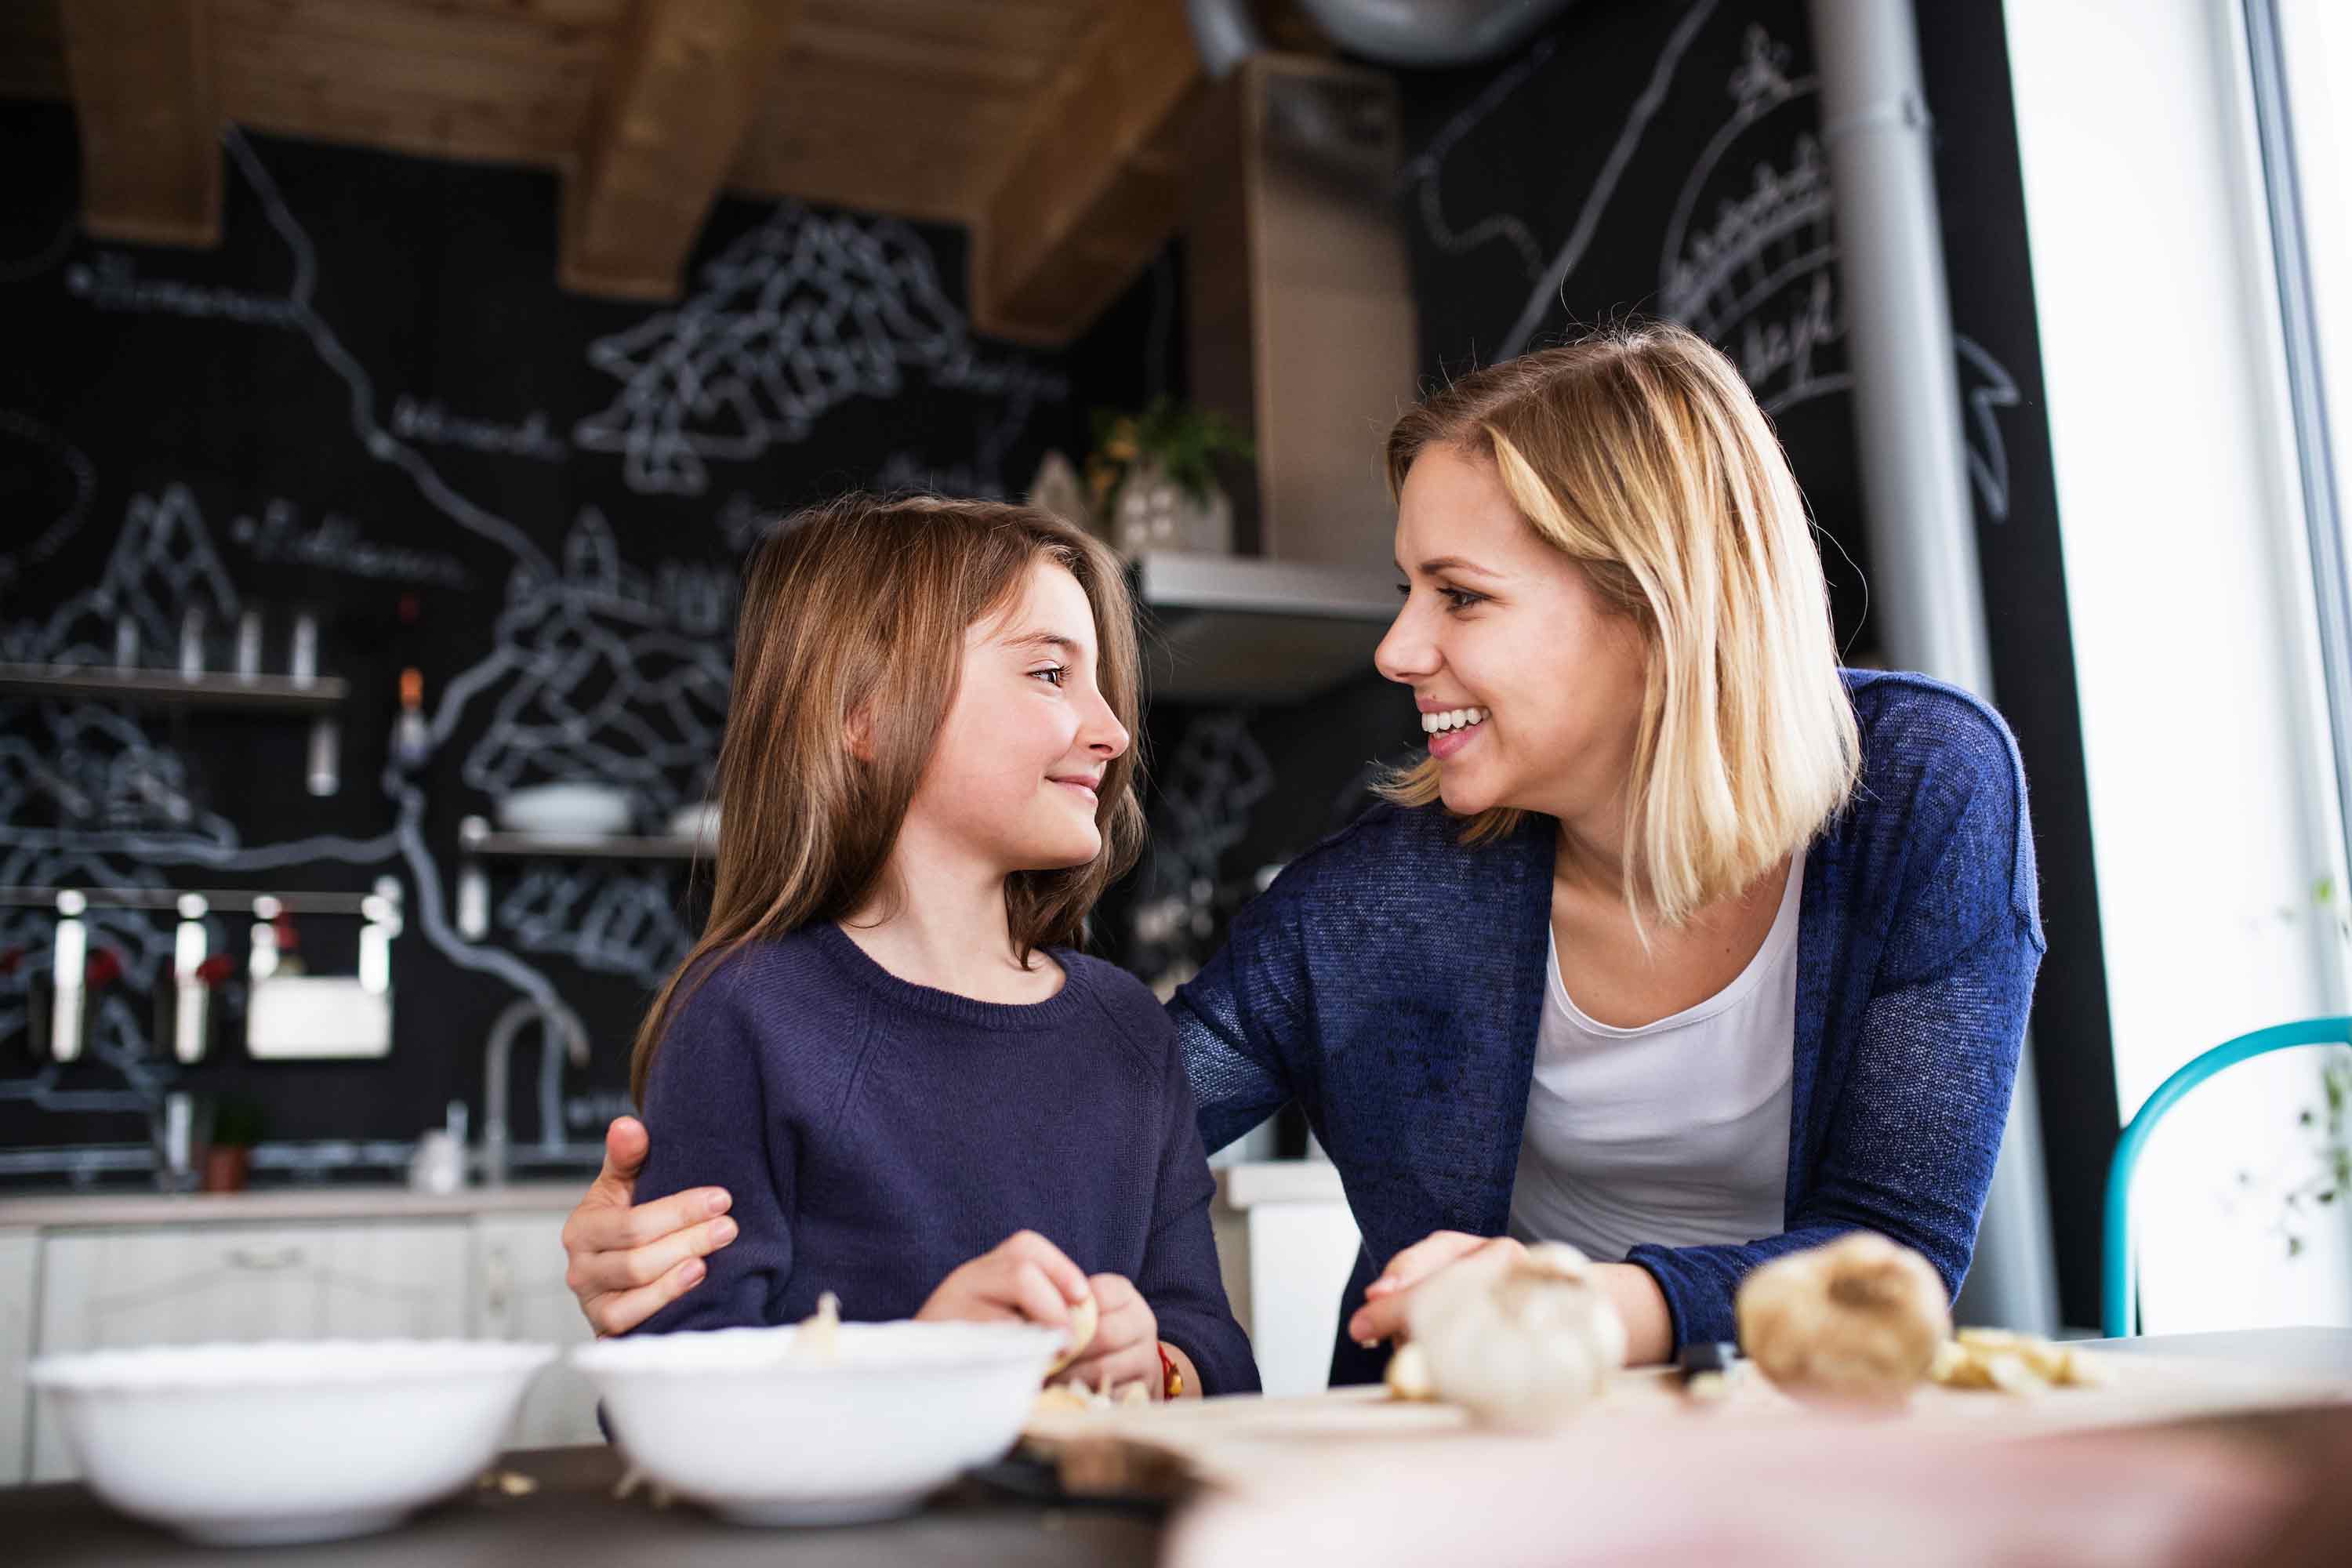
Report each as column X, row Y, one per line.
column 2116, row 1294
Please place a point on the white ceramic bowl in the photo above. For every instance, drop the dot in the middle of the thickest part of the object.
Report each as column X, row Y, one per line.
column 565, row 810
column 728, row 1419
column 240, row 1444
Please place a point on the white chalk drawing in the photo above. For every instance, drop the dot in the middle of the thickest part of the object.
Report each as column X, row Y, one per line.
column 431, row 425
column 1425, row 172
column 111, row 282
column 35, row 460
column 616, row 925
column 1544, row 302
column 1749, row 260
column 596, row 669
column 797, row 317
column 1986, row 386
column 334, row 544
column 1748, row 256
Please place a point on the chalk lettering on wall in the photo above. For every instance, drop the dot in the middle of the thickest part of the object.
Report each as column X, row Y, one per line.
column 803, row 314
column 430, row 424
column 334, row 544
column 111, row 282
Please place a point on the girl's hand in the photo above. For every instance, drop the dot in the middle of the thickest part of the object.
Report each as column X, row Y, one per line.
column 1383, row 1315
column 1126, row 1346
column 1026, row 1279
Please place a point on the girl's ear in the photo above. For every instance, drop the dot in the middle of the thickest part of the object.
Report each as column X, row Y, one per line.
column 857, row 735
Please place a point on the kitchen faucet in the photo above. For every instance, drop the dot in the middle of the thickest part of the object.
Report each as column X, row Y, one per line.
column 556, row 1019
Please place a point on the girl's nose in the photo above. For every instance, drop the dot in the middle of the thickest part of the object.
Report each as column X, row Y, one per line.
column 1105, row 735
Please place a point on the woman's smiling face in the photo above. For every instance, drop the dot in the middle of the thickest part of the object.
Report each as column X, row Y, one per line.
column 1498, row 622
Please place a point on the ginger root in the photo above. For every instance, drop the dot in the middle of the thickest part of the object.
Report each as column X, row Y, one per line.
column 1857, row 1321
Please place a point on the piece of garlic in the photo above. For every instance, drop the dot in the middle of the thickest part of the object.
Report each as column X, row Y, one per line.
column 818, row 1343
column 1519, row 1338
column 1860, row 1320
column 1408, row 1374
column 1083, row 1320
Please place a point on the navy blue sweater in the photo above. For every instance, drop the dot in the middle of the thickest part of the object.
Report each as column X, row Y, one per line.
column 1391, row 981
column 876, row 1134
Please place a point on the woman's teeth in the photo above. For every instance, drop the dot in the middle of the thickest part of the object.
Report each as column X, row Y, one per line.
column 1452, row 719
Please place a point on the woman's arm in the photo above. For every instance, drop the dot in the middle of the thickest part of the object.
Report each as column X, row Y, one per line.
column 1916, row 1125
column 1242, row 1022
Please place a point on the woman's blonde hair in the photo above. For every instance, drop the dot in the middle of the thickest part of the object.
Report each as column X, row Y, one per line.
column 1640, row 454
column 855, row 614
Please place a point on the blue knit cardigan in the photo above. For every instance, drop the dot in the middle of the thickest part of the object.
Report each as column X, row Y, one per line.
column 1391, row 981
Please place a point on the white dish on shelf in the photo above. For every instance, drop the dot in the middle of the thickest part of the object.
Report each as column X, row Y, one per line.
column 699, row 822
column 729, row 1418
column 565, row 810
column 279, row 1442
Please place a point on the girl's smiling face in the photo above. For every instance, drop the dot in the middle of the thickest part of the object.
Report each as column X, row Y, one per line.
column 1012, row 783
column 1499, row 625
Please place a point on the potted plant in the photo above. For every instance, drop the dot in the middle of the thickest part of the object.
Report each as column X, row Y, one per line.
column 237, row 1126
column 1152, row 478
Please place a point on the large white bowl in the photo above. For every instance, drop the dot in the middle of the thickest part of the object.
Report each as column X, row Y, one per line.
column 241, row 1444
column 729, row 1418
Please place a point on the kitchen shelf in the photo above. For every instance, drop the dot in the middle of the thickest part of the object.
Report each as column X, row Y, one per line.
column 1230, row 628
column 490, row 844
column 267, row 693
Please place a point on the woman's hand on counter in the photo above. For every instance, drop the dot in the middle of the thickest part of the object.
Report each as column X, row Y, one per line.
column 628, row 1260
column 1383, row 1315
column 1649, row 1326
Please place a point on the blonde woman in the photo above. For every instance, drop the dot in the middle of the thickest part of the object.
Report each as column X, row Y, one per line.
column 1683, row 944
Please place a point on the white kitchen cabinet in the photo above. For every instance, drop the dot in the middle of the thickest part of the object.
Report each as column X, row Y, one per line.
column 118, row 1288
column 1285, row 1245
column 520, row 1295
column 19, row 1258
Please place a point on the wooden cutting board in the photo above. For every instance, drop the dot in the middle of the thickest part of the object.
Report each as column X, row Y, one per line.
column 1247, row 1441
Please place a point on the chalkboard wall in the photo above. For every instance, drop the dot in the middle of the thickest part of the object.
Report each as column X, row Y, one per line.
column 371, row 402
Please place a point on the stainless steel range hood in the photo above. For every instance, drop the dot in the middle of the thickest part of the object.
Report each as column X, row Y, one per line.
column 1302, row 331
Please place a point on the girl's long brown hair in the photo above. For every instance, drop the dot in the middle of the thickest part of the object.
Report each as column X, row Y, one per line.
column 855, row 612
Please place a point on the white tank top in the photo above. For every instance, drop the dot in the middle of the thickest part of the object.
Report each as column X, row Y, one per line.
column 1676, row 1132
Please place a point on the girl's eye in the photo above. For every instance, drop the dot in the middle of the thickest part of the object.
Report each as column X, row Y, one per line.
column 1461, row 598
column 1054, row 674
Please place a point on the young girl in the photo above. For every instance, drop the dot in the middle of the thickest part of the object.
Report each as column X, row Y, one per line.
column 920, row 1097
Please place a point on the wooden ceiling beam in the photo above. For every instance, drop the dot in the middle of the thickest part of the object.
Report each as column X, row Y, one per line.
column 1092, row 194
column 687, row 81
column 142, row 72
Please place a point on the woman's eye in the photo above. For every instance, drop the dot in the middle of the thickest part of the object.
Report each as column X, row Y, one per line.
column 1461, row 598
column 1056, row 674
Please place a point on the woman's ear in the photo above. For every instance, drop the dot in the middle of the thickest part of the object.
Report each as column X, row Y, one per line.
column 857, row 735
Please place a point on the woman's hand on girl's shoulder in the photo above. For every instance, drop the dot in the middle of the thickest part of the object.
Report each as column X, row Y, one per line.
column 627, row 1259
